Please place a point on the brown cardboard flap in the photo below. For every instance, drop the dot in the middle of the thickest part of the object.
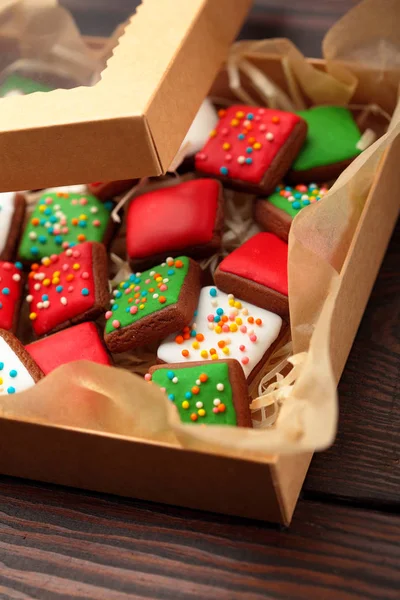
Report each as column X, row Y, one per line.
column 133, row 467
column 131, row 123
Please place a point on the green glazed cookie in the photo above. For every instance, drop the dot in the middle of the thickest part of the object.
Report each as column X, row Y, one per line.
column 211, row 392
column 61, row 220
column 16, row 85
column 330, row 146
column 276, row 213
column 151, row 305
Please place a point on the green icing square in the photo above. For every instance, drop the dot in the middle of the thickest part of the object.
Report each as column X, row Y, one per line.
column 52, row 224
column 181, row 392
column 146, row 286
column 303, row 195
column 24, row 85
column 332, row 137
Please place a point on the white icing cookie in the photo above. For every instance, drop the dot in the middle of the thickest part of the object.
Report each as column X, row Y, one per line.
column 204, row 122
column 7, row 208
column 223, row 327
column 14, row 376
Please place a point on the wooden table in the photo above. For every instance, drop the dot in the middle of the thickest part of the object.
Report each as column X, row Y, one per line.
column 344, row 539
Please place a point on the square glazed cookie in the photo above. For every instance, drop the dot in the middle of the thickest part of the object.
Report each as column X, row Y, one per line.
column 210, row 392
column 61, row 220
column 69, row 288
column 252, row 148
column 151, row 305
column 330, row 146
column 224, row 327
column 18, row 371
column 10, row 295
column 181, row 219
column 276, row 213
column 257, row 273
column 12, row 214
column 81, row 342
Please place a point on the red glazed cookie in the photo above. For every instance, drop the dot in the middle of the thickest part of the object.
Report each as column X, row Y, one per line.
column 81, row 342
column 105, row 190
column 252, row 148
column 182, row 219
column 68, row 288
column 10, row 295
column 257, row 272
column 18, row 371
column 12, row 214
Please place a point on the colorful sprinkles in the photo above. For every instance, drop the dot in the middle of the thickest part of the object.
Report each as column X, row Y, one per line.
column 14, row 376
column 61, row 287
column 201, row 394
column 10, row 293
column 235, row 321
column 60, row 221
column 245, row 142
column 293, row 199
column 223, row 327
column 145, row 293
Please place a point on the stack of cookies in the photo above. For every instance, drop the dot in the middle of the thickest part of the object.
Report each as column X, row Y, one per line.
column 213, row 337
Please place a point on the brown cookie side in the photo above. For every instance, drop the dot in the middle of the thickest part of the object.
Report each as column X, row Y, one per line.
column 284, row 157
column 23, row 355
column 18, row 305
column 241, row 400
column 252, row 292
column 196, row 252
column 101, row 282
column 273, row 219
column 280, row 341
column 318, row 174
column 109, row 189
column 17, row 222
column 162, row 323
column 111, row 230
column 240, row 396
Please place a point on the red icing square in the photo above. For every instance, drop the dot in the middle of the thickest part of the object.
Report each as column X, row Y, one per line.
column 10, row 294
column 173, row 218
column 263, row 259
column 245, row 142
column 66, row 282
column 81, row 342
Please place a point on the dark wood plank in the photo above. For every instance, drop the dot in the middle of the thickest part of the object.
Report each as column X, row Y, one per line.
column 364, row 463
column 57, row 543
column 305, row 22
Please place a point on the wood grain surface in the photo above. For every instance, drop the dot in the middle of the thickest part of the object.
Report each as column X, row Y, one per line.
column 65, row 544
column 344, row 542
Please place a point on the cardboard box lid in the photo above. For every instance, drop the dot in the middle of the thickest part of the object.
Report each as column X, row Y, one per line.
column 133, row 121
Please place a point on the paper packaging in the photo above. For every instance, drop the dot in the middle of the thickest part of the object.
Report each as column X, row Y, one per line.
column 115, row 433
column 160, row 72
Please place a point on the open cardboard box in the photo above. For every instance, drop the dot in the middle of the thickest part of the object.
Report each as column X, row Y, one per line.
column 167, row 47
column 266, row 488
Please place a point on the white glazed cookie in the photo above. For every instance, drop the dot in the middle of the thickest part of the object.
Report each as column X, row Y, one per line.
column 7, row 208
column 14, row 376
column 223, row 327
column 204, row 122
